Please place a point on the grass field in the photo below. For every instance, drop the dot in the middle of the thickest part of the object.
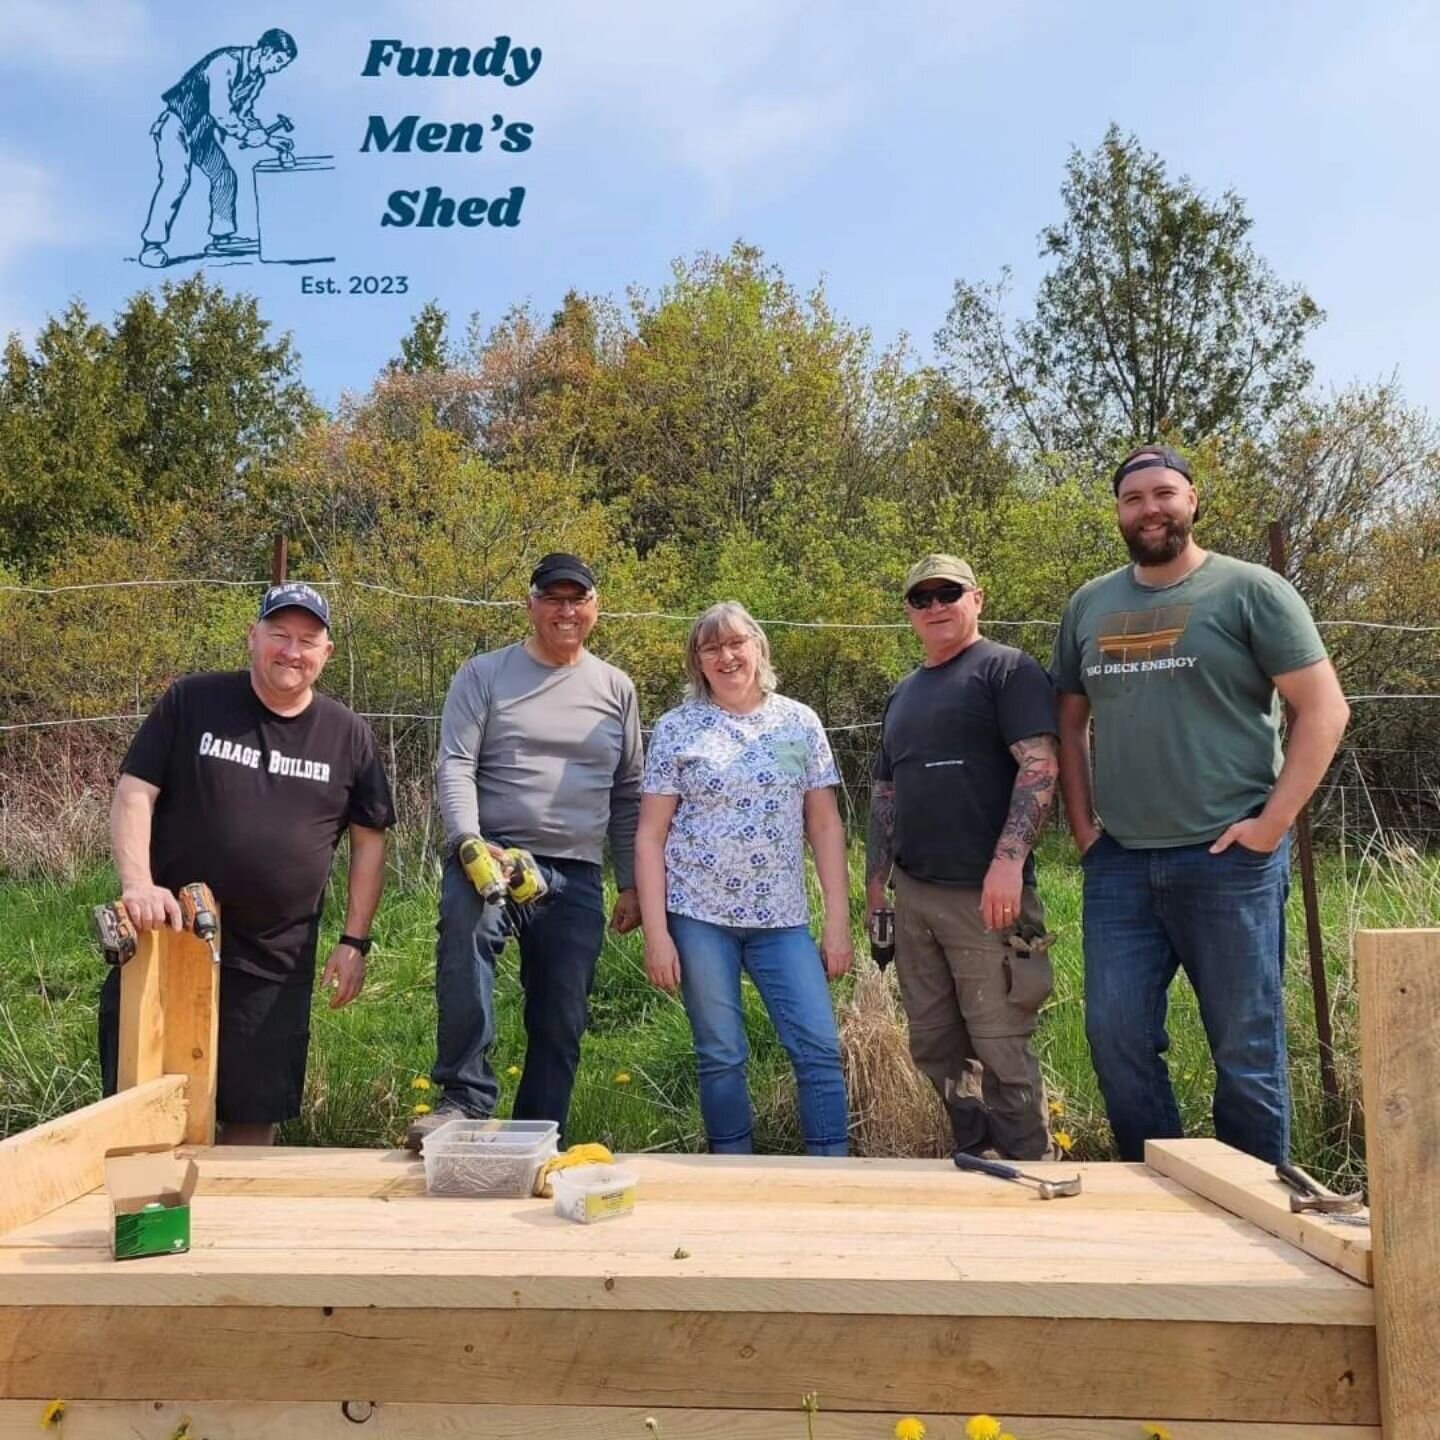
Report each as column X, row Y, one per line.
column 637, row 1085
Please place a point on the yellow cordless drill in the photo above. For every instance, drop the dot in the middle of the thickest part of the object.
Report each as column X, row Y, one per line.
column 515, row 875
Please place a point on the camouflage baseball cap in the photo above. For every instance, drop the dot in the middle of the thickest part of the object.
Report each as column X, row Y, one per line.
column 940, row 567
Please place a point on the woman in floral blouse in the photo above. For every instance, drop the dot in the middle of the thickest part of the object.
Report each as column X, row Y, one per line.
column 737, row 778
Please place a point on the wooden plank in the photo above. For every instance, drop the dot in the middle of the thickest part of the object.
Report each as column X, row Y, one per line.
column 1399, row 976
column 755, row 1181
column 1310, row 1374
column 47, row 1167
column 422, row 1252
column 1250, row 1188
column 142, row 1014
column 423, row 1280
column 190, row 996
column 332, row 1420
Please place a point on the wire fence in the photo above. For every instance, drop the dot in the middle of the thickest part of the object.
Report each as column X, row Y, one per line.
column 1369, row 787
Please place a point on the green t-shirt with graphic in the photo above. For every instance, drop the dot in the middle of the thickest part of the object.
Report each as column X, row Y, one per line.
column 1179, row 679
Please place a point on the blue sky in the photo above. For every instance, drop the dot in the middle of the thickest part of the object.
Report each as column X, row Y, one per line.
column 886, row 148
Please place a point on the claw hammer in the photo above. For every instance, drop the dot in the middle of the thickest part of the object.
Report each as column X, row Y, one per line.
column 1307, row 1193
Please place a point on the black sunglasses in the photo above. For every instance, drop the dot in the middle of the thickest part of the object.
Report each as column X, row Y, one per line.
column 940, row 595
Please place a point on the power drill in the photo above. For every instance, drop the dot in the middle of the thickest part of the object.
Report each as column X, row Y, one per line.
column 197, row 911
column 516, row 876
column 882, row 938
column 115, row 931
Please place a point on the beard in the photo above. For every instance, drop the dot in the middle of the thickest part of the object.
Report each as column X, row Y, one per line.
column 1160, row 551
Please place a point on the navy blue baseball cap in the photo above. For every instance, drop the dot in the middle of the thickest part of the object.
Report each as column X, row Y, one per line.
column 295, row 595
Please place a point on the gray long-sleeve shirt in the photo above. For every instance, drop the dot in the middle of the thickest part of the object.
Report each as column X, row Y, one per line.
column 546, row 757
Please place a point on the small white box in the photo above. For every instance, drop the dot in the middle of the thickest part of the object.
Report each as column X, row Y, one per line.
column 587, row 1193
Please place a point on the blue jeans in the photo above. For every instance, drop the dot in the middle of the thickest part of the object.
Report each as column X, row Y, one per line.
column 560, row 941
column 1148, row 912
column 790, row 975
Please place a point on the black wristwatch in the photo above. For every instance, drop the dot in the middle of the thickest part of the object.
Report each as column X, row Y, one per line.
column 356, row 943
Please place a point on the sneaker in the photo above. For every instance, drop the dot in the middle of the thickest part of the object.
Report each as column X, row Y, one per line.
column 153, row 257
column 423, row 1125
column 228, row 246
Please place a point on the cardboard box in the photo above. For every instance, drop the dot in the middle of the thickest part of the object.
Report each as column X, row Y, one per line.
column 150, row 1192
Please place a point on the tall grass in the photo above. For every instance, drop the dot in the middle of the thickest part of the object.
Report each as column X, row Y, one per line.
column 637, row 1085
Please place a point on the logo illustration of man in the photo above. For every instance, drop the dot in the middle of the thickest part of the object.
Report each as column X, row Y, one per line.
column 215, row 97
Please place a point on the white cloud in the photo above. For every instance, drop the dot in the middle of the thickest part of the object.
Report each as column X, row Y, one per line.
column 30, row 215
column 743, row 96
column 74, row 34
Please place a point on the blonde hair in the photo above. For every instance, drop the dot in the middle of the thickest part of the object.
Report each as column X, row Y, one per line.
column 729, row 617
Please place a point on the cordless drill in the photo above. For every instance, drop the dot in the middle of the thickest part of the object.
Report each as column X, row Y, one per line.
column 882, row 937
column 197, row 912
column 515, row 875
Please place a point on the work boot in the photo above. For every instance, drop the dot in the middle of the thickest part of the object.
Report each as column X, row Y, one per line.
column 228, row 247
column 423, row 1125
column 153, row 257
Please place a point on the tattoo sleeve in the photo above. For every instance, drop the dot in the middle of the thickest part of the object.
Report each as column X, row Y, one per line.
column 880, row 841
column 1030, row 800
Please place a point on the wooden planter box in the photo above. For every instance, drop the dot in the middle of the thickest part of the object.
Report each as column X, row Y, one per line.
column 326, row 1295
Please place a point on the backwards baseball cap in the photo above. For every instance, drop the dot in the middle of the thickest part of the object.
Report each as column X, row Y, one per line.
column 295, row 595
column 940, row 567
column 1147, row 457
column 557, row 567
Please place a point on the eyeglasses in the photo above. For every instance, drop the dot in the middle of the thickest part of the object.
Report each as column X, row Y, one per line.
column 559, row 602
column 940, row 595
column 717, row 648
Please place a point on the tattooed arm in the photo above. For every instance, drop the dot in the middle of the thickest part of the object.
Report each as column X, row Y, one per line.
column 880, row 842
column 1030, row 799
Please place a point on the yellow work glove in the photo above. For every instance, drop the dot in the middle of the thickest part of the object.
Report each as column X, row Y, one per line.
column 575, row 1155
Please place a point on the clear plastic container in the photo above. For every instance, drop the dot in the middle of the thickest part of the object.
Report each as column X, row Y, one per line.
column 587, row 1193
column 491, row 1158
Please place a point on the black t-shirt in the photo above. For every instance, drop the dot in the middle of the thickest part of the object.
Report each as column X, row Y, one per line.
column 945, row 743
column 254, row 804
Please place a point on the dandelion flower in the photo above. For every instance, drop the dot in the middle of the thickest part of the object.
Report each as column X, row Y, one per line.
column 512, row 1071
column 1057, row 1107
column 54, row 1414
column 1156, row 1432
column 420, row 1082
column 982, row 1427
column 622, row 1077
column 421, row 1110
column 910, row 1428
column 1065, row 1140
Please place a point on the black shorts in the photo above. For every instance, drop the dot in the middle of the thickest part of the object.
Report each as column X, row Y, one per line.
column 264, row 1042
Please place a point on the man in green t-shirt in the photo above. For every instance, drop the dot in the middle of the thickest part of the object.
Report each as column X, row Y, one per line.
column 1182, row 660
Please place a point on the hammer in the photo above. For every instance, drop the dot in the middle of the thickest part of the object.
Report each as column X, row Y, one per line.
column 1309, row 1194
column 1049, row 1189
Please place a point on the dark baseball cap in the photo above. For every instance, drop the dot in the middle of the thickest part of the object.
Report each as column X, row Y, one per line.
column 557, row 567
column 1148, row 457
column 295, row 595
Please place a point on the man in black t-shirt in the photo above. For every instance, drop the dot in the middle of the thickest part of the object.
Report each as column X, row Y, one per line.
column 247, row 780
column 963, row 779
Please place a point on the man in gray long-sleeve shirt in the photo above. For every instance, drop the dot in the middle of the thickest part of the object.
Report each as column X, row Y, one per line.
column 539, row 748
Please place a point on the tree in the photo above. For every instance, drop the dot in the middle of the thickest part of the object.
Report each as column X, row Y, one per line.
column 181, row 400
column 1156, row 318
column 425, row 348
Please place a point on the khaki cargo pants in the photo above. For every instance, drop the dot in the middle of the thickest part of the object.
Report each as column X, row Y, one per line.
column 973, row 1005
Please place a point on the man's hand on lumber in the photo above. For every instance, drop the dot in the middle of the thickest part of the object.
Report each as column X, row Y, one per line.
column 152, row 907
